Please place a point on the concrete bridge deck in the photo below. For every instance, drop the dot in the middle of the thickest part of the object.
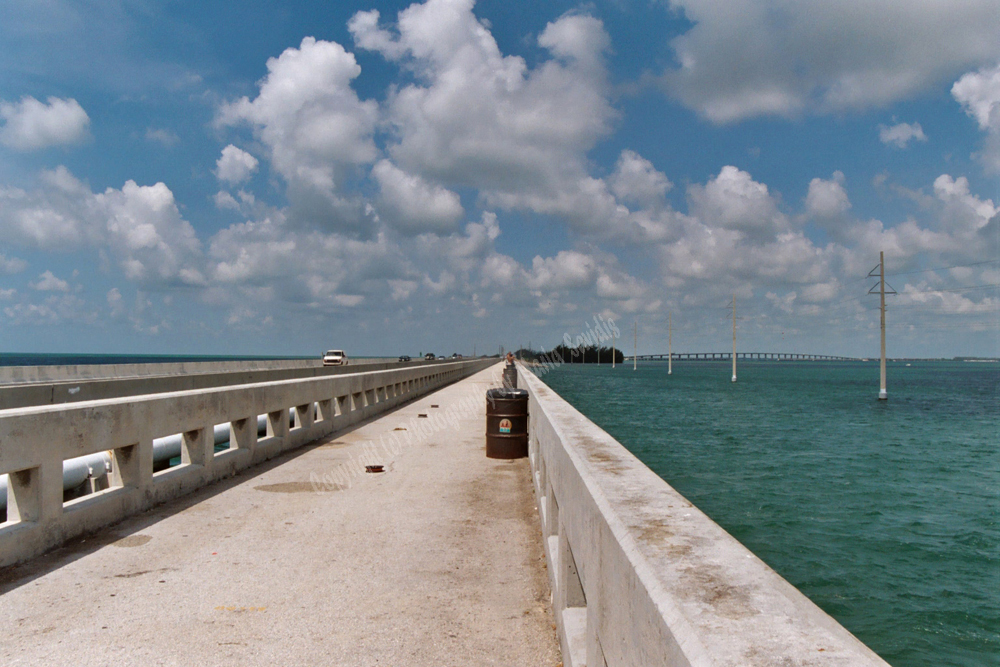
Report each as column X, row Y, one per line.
column 437, row 561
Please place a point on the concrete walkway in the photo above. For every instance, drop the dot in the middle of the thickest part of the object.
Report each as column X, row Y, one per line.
column 436, row 561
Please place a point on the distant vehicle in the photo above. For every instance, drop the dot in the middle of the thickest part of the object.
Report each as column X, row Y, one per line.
column 429, row 356
column 404, row 357
column 334, row 358
column 456, row 356
column 440, row 357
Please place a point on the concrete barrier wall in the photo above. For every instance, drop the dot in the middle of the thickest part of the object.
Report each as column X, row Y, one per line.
column 164, row 378
column 641, row 577
column 35, row 441
column 55, row 373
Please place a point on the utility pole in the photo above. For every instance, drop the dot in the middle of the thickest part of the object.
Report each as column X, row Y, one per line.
column 734, row 338
column 635, row 348
column 670, row 345
column 613, row 337
column 882, row 393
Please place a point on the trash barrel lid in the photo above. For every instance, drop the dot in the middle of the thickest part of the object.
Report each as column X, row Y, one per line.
column 506, row 393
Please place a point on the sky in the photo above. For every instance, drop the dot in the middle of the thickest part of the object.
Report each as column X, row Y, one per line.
column 451, row 176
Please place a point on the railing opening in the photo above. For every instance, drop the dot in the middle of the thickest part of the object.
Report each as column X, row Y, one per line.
column 222, row 440
column 22, row 497
column 166, row 453
column 238, row 434
column 303, row 416
column 85, row 477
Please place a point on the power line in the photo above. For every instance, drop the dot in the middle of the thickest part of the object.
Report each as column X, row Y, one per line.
column 943, row 268
column 955, row 289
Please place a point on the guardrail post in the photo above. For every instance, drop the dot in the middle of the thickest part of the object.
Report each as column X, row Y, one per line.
column 325, row 410
column 277, row 423
column 570, row 605
column 51, row 489
column 552, row 510
column 243, row 434
column 304, row 415
column 198, row 446
column 571, row 591
column 24, row 497
column 132, row 466
column 595, row 653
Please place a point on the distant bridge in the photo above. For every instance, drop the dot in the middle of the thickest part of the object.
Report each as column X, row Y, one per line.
column 749, row 356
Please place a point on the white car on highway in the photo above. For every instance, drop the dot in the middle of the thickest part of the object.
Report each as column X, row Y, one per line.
column 334, row 358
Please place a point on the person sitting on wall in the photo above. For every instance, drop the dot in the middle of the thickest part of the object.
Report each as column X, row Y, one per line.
column 510, row 358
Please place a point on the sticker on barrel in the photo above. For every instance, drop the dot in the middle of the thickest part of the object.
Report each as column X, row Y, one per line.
column 505, row 426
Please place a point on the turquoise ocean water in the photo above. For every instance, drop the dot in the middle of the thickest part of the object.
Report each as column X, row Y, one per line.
column 885, row 513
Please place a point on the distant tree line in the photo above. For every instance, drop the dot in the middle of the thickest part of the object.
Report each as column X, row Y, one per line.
column 563, row 354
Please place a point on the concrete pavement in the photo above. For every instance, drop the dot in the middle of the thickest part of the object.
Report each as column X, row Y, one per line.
column 308, row 560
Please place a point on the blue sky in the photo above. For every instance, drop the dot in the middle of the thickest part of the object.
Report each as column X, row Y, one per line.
column 448, row 175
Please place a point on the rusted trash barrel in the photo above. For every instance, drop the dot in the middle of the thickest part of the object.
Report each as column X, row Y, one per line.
column 510, row 376
column 506, row 423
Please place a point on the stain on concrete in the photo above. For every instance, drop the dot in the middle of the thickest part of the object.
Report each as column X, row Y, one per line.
column 709, row 585
column 607, row 462
column 297, row 487
column 503, row 496
column 132, row 541
column 678, row 550
column 655, row 532
column 330, row 445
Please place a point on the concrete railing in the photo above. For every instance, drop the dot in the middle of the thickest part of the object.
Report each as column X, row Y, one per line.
column 92, row 383
column 34, row 443
column 79, row 372
column 642, row 577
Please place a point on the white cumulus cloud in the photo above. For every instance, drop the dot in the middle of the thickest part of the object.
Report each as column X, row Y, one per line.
column 827, row 198
column 474, row 117
column 414, row 204
column 140, row 225
column 733, row 200
column 235, row 165
column 31, row 125
column 167, row 138
column 636, row 179
column 314, row 126
column 901, row 134
column 47, row 282
column 12, row 265
column 979, row 94
column 745, row 58
column 567, row 270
